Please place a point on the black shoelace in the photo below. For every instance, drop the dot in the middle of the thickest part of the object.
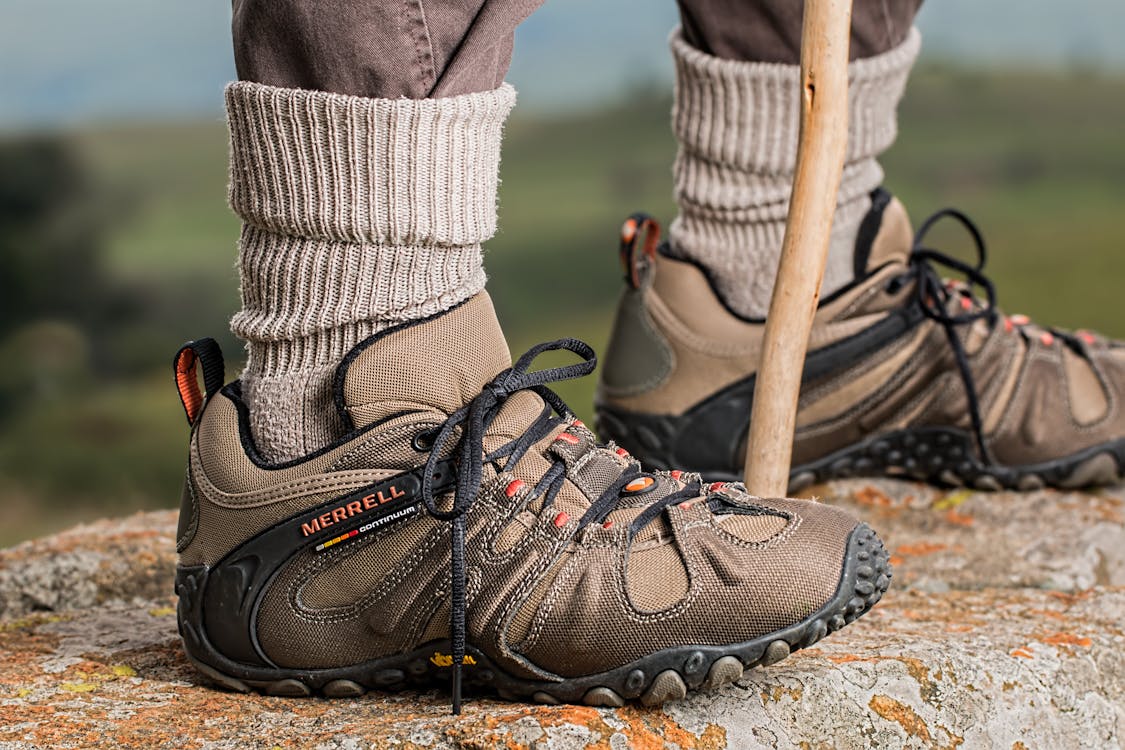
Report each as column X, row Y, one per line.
column 938, row 299
column 473, row 420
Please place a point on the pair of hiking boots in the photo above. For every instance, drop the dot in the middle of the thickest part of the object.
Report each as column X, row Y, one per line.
column 468, row 527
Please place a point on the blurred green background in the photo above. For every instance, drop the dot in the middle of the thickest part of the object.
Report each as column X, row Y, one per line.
column 116, row 244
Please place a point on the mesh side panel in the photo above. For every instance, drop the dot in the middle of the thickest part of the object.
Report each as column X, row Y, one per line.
column 753, row 528
column 513, row 532
column 292, row 641
column 531, row 468
column 391, row 446
column 521, row 623
column 218, row 441
column 359, row 569
column 571, row 501
column 222, row 529
column 656, row 577
column 1088, row 399
column 439, row 625
column 742, row 592
column 654, row 530
column 381, row 623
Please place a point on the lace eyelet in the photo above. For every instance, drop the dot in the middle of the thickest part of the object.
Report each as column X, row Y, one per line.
column 423, row 441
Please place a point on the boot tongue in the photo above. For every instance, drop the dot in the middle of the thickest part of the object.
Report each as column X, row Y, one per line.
column 437, row 364
column 885, row 236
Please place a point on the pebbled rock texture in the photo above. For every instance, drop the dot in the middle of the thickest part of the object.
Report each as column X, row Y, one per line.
column 1004, row 628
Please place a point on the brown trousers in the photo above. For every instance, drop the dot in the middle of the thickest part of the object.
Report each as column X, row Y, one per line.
column 434, row 48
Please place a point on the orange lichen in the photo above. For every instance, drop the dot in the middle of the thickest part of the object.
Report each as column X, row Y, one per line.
column 644, row 729
column 1071, row 598
column 919, row 549
column 916, row 668
column 848, row 658
column 652, row 728
column 172, row 704
column 1066, row 639
column 901, row 714
column 927, row 686
column 874, row 497
column 958, row 519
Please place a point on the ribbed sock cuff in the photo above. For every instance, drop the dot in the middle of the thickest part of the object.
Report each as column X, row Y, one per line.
column 737, row 124
column 358, row 213
column 306, row 303
column 371, row 171
column 746, row 115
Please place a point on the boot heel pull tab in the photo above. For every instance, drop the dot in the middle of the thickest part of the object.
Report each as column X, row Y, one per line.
column 639, row 226
column 205, row 352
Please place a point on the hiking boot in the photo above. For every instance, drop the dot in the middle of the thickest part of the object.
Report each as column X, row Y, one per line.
column 907, row 375
column 468, row 514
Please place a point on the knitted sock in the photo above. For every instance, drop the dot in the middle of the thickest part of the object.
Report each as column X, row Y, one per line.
column 737, row 125
column 359, row 214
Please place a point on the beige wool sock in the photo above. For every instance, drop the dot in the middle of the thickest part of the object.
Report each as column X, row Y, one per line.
column 359, row 214
column 737, row 125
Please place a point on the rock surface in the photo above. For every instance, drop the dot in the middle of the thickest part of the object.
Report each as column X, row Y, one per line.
column 1005, row 629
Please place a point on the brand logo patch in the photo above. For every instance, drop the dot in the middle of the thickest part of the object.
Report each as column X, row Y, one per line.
column 366, row 509
column 346, row 510
column 377, row 523
column 446, row 660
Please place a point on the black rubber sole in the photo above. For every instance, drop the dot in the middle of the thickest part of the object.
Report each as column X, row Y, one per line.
column 663, row 676
column 947, row 457
column 939, row 455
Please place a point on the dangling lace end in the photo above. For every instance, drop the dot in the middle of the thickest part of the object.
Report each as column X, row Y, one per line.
column 457, row 688
column 474, row 419
column 457, row 607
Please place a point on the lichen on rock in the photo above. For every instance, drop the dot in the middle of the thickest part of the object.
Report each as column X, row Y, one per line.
column 1005, row 628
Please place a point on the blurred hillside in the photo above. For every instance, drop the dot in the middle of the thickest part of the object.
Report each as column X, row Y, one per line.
column 68, row 62
column 117, row 245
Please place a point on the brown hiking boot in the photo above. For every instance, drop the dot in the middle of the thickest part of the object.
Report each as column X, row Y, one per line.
column 906, row 375
column 469, row 514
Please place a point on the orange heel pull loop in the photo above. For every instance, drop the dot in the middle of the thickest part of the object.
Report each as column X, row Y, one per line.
column 207, row 354
column 638, row 226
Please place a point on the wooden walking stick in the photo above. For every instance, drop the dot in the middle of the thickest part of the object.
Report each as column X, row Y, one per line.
column 825, row 34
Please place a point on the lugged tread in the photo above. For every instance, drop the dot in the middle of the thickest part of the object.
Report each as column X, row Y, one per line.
column 724, row 670
column 665, row 676
column 940, row 455
column 668, row 686
column 343, row 689
column 951, row 462
column 603, row 696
